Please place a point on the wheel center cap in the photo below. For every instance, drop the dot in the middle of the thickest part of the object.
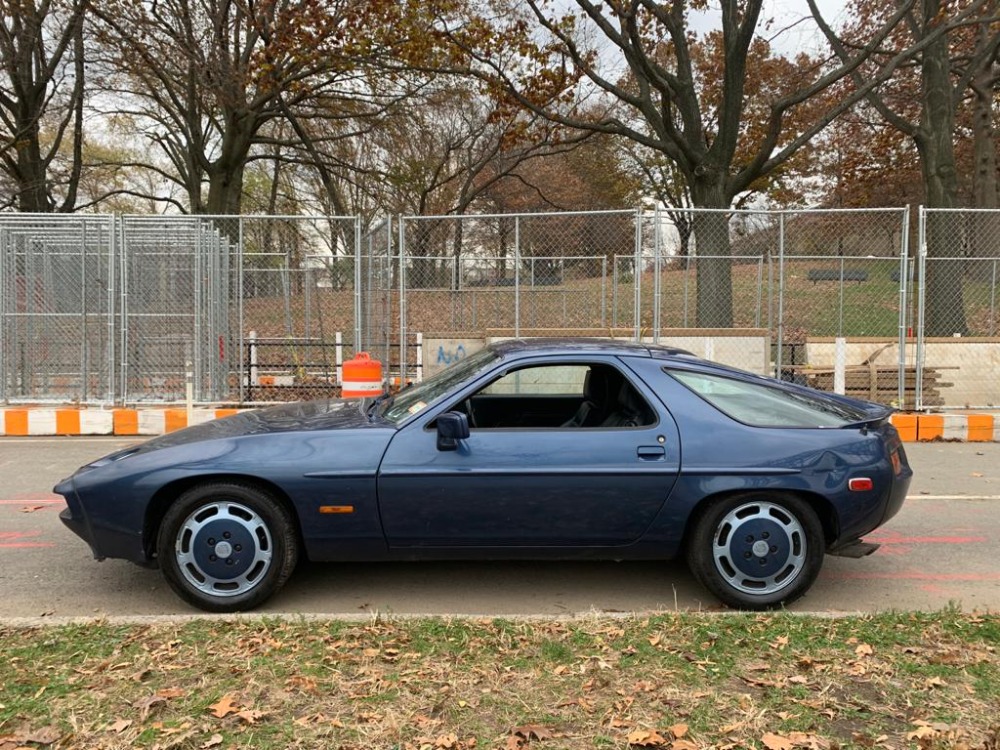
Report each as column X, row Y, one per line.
column 760, row 548
column 225, row 549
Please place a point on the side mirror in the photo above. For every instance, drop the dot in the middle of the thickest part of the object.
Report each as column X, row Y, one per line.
column 452, row 426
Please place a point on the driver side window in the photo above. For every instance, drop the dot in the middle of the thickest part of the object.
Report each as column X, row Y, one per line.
column 557, row 395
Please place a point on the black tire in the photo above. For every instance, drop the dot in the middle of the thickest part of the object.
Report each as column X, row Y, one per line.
column 227, row 546
column 757, row 551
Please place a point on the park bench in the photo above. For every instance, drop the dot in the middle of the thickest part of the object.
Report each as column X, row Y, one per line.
column 835, row 274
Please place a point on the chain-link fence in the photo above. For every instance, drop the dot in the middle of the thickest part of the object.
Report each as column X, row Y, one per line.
column 512, row 275
column 112, row 309
column 378, row 291
column 704, row 269
column 57, row 303
column 297, row 290
column 958, row 318
column 176, row 307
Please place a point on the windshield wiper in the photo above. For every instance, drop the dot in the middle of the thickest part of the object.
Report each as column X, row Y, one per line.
column 376, row 402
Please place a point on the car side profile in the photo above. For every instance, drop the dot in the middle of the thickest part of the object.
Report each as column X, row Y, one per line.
column 528, row 449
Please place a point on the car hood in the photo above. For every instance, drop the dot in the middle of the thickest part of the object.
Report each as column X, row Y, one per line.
column 301, row 416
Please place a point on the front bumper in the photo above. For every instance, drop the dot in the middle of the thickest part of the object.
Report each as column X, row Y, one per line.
column 79, row 527
column 104, row 538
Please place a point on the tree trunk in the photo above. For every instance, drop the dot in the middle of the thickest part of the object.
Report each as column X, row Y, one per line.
column 225, row 190
column 945, row 310
column 986, row 191
column 712, row 250
column 33, row 195
column 984, row 227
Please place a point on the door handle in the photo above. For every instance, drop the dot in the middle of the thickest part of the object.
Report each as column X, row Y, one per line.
column 651, row 452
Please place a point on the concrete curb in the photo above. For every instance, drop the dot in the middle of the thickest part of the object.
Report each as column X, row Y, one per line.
column 79, row 421
column 39, row 420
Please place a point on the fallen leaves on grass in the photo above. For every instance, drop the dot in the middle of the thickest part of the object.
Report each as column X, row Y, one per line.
column 43, row 736
column 224, row 706
column 646, row 738
column 498, row 685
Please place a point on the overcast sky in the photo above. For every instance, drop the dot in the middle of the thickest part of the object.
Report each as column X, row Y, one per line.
column 787, row 24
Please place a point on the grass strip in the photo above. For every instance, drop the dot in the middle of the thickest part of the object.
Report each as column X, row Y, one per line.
column 680, row 681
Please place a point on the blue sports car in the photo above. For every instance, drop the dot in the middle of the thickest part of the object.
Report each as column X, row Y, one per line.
column 537, row 449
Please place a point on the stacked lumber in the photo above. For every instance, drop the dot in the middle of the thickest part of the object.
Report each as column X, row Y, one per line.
column 874, row 382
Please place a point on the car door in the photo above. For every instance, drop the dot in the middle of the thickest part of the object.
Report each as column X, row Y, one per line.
column 530, row 486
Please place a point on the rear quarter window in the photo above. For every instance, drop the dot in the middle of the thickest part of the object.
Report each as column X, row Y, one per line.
column 761, row 405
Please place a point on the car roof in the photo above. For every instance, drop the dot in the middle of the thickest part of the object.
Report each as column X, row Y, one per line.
column 586, row 345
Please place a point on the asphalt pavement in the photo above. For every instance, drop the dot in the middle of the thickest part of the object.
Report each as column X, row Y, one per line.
column 941, row 550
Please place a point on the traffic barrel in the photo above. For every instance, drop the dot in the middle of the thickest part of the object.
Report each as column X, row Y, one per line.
column 362, row 377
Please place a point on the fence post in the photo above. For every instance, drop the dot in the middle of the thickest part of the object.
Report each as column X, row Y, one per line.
column 124, row 313
column 657, row 272
column 918, row 395
column 84, row 338
column 358, row 342
column 338, row 338
column 840, row 301
column 420, row 357
column 781, row 292
column 604, row 291
column 189, row 391
column 637, row 276
column 239, row 305
column 840, row 366
column 252, row 357
column 904, row 308
column 993, row 300
column 402, row 301
column 517, row 277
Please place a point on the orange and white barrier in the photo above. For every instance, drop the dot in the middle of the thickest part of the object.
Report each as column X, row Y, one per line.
column 23, row 421
column 966, row 428
column 69, row 421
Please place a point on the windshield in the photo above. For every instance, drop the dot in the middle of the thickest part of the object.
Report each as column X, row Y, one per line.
column 416, row 398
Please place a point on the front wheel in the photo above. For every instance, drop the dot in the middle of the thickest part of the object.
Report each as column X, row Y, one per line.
column 757, row 551
column 226, row 547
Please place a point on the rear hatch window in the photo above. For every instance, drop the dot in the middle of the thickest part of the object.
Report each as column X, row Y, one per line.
column 762, row 405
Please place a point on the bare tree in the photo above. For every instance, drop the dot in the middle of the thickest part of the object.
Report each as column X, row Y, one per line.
column 41, row 102
column 665, row 109
column 204, row 77
column 927, row 32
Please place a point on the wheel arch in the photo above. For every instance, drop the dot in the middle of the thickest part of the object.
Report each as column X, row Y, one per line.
column 822, row 506
column 165, row 495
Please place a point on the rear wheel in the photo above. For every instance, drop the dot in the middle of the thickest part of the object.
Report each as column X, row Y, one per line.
column 757, row 551
column 227, row 547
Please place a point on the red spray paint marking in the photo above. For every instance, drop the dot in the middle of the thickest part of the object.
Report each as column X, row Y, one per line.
column 895, row 544
column 895, row 538
column 12, row 540
column 917, row 576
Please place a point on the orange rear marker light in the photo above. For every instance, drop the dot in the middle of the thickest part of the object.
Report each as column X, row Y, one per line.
column 327, row 509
